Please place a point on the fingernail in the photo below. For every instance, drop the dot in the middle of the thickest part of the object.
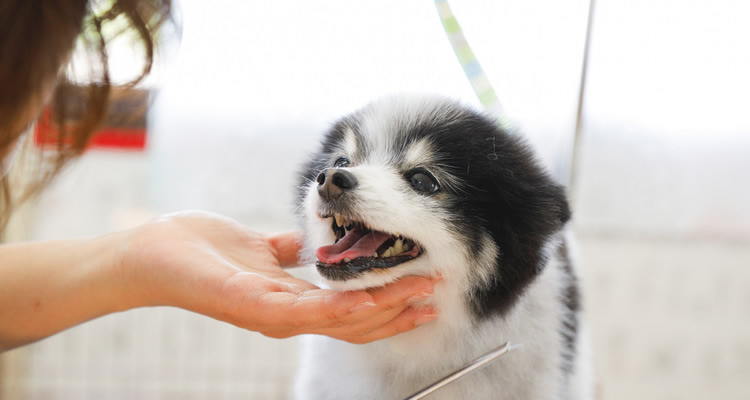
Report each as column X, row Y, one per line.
column 423, row 319
column 418, row 297
column 362, row 306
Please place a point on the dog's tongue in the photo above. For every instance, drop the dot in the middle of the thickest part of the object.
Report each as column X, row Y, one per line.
column 354, row 244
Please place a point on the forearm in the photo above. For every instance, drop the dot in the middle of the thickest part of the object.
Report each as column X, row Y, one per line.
column 196, row 261
column 46, row 287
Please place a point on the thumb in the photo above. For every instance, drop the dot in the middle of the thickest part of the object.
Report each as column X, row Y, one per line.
column 286, row 246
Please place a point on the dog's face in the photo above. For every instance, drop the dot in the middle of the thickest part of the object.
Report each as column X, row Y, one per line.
column 420, row 186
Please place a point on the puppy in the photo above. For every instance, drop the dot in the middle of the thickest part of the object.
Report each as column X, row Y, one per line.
column 427, row 186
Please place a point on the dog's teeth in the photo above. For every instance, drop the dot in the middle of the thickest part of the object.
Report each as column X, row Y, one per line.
column 398, row 247
column 338, row 219
column 375, row 254
column 346, row 259
column 388, row 252
column 407, row 246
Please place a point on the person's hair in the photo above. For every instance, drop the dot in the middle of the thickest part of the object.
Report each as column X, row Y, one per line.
column 37, row 39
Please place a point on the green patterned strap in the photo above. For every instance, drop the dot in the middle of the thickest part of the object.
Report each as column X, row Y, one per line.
column 474, row 72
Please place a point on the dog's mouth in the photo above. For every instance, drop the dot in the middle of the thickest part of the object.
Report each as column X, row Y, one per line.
column 359, row 248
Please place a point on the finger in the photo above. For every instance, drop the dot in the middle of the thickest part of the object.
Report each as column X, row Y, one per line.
column 403, row 290
column 389, row 302
column 313, row 308
column 362, row 323
column 287, row 246
column 385, row 304
column 339, row 314
column 405, row 321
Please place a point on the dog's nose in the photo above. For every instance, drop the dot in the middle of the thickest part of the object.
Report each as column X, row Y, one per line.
column 333, row 182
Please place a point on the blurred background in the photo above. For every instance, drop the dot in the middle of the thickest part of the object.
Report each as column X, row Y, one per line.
column 660, row 198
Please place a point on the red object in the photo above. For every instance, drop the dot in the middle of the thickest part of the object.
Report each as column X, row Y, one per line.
column 131, row 139
column 46, row 134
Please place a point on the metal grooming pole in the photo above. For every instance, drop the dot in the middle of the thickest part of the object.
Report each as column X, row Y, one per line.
column 575, row 153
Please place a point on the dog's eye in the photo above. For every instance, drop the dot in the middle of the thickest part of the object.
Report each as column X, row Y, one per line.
column 341, row 162
column 423, row 182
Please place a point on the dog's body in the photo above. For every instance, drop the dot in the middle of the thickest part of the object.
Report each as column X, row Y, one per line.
column 421, row 186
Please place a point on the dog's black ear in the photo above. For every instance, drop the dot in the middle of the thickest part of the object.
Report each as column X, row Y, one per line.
column 550, row 210
column 561, row 200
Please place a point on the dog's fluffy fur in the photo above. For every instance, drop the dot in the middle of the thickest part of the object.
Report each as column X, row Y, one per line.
column 495, row 230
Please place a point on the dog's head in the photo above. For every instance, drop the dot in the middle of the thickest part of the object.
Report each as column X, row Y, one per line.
column 419, row 186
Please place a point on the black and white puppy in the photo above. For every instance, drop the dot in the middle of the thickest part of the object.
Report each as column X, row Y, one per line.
column 421, row 186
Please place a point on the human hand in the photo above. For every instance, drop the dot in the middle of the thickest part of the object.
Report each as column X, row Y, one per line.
column 215, row 266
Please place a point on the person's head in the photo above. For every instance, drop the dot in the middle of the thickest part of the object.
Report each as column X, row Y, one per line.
column 37, row 39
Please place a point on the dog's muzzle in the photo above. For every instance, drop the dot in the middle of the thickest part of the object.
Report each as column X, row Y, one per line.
column 334, row 182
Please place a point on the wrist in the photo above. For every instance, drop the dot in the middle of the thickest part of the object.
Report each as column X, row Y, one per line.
column 117, row 273
column 150, row 264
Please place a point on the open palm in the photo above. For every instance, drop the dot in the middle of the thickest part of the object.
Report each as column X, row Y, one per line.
column 215, row 266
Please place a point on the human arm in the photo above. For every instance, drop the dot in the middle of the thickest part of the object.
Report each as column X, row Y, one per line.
column 196, row 261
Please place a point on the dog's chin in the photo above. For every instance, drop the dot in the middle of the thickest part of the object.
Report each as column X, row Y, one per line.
column 359, row 266
column 371, row 278
column 368, row 272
